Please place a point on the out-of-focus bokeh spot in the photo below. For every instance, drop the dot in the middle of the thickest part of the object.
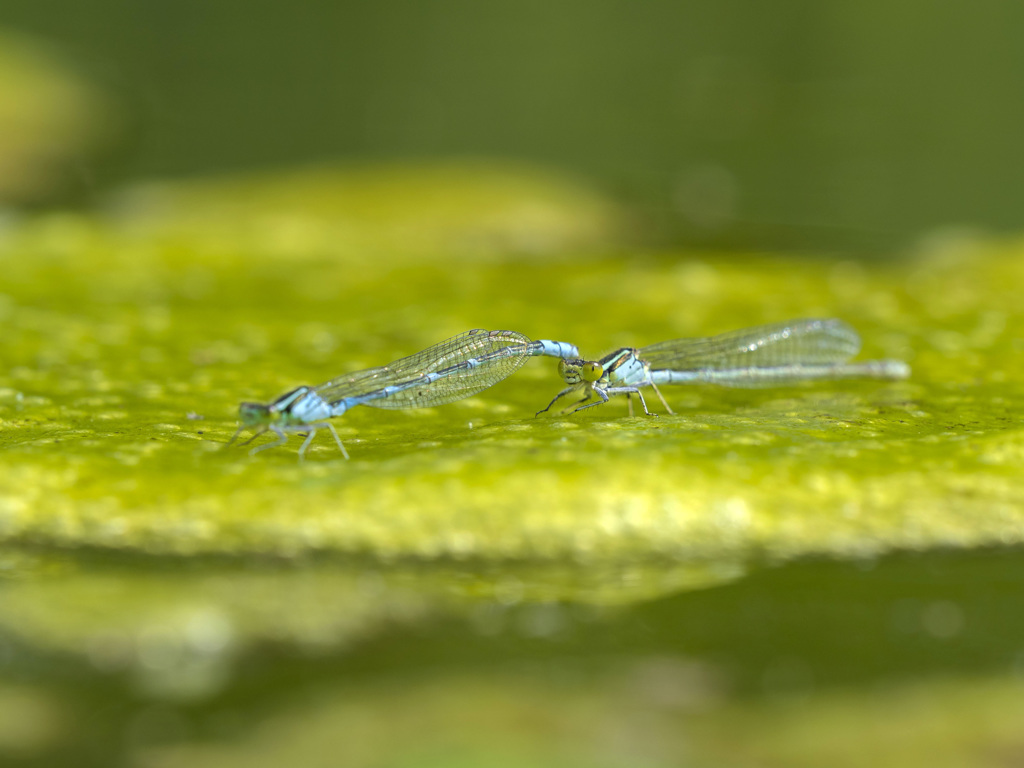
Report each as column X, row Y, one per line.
column 461, row 210
column 52, row 120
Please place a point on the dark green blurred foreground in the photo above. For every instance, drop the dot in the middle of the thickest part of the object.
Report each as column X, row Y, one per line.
column 822, row 575
column 910, row 660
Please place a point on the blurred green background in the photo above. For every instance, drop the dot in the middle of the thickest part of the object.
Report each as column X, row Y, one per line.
column 796, row 124
column 205, row 202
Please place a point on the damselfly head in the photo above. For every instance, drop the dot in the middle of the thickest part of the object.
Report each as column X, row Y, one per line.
column 251, row 414
column 576, row 371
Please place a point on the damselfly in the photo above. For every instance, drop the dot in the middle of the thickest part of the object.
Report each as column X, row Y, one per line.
column 460, row 367
column 764, row 356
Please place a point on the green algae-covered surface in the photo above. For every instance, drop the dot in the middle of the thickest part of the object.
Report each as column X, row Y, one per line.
column 817, row 575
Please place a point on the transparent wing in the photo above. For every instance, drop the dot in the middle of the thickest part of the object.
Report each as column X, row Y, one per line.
column 456, row 368
column 791, row 343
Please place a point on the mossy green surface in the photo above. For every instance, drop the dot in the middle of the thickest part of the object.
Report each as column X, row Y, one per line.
column 125, row 360
column 144, row 555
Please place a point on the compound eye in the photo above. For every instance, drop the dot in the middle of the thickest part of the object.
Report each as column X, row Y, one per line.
column 592, row 371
